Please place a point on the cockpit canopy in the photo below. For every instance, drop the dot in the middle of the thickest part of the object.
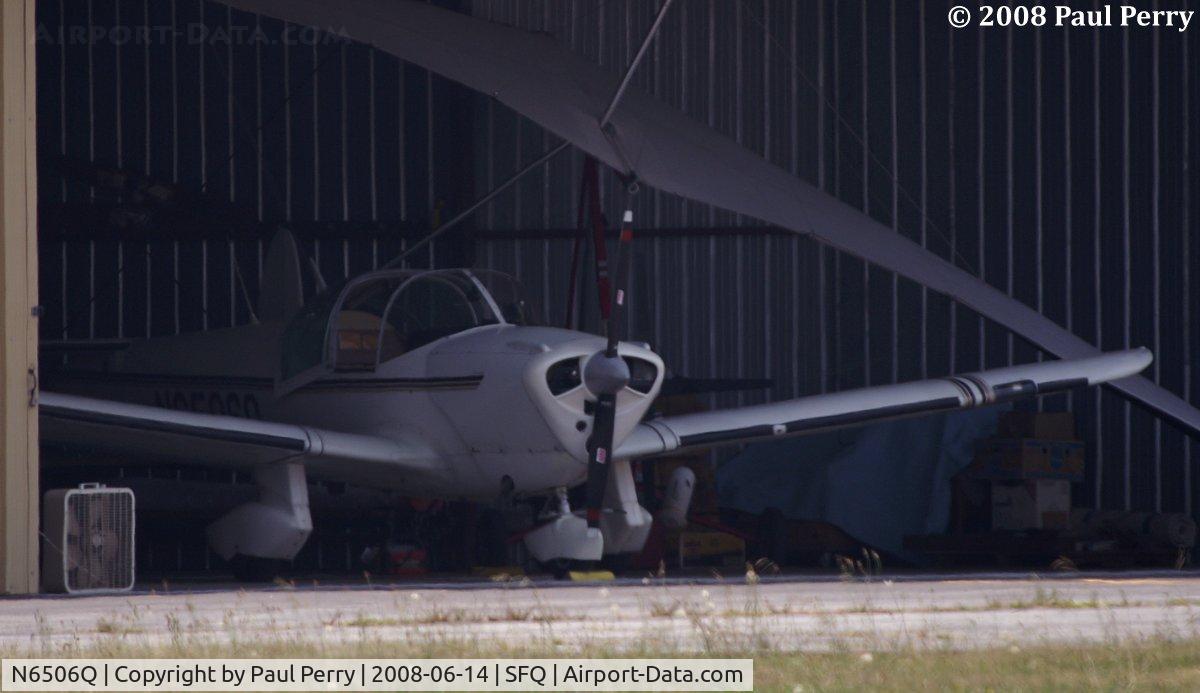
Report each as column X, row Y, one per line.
column 379, row 316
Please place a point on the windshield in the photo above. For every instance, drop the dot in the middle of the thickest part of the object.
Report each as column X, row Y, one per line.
column 509, row 296
column 432, row 306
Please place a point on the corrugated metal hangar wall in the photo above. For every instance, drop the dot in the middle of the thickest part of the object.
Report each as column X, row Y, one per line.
column 1054, row 164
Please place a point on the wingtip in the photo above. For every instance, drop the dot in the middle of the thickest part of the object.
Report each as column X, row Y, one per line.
column 1137, row 360
column 1117, row 365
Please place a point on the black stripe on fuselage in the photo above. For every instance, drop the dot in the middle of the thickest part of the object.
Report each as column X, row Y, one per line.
column 153, row 426
column 163, row 379
column 235, row 382
column 452, row 383
column 820, row 422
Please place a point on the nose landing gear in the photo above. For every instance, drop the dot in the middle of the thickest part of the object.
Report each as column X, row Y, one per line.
column 563, row 537
column 565, row 540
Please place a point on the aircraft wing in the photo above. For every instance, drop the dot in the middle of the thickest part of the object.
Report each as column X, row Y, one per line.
column 133, row 431
column 866, row 405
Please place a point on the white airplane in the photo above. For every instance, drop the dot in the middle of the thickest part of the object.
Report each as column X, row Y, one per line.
column 434, row 383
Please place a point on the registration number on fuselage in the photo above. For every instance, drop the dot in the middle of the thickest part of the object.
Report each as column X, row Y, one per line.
column 241, row 404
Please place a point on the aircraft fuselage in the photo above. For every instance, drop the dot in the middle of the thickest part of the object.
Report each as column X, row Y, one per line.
column 479, row 399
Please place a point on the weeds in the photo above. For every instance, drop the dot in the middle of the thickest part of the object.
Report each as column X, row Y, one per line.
column 867, row 567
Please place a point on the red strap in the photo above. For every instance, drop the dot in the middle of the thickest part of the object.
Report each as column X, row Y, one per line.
column 603, row 288
column 589, row 203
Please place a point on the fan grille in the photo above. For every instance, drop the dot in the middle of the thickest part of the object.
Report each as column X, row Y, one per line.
column 99, row 550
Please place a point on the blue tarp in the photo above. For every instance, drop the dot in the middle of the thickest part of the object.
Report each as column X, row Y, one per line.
column 878, row 483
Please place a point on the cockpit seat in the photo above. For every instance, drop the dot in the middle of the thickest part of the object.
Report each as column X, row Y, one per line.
column 358, row 335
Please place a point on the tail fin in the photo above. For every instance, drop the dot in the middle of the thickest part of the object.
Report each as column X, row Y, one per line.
column 281, row 292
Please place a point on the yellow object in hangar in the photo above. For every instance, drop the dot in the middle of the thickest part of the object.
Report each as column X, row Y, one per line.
column 18, row 288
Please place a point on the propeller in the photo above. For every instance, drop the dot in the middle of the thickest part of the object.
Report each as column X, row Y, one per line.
column 605, row 374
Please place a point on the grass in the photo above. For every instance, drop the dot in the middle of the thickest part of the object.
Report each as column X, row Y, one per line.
column 440, row 615
column 112, row 627
column 1041, row 598
column 1151, row 665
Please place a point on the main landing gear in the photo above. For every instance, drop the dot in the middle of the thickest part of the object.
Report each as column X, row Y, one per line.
column 259, row 537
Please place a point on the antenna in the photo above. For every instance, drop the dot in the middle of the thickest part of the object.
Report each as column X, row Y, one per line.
column 322, row 287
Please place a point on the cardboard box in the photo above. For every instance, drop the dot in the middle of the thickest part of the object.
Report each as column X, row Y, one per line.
column 1037, row 504
column 1043, row 425
column 719, row 549
column 1027, row 458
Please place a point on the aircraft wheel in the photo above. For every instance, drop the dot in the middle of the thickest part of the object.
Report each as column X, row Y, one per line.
column 255, row 569
column 560, row 568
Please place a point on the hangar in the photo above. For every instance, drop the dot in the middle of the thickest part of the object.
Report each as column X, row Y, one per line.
column 167, row 157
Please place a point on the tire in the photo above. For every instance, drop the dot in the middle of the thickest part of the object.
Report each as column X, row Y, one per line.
column 560, row 568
